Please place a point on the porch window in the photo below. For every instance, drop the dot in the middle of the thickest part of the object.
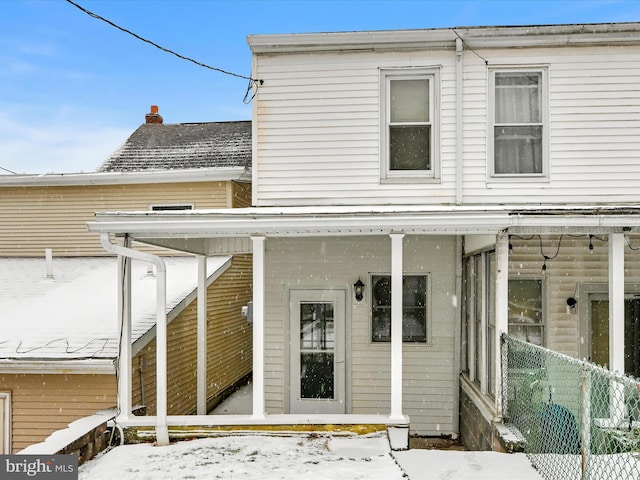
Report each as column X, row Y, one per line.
column 414, row 308
column 526, row 312
column 409, row 130
column 518, row 123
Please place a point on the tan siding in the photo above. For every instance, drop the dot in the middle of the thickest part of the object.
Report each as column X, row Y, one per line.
column 35, row 218
column 429, row 376
column 42, row 404
column 229, row 346
column 572, row 267
column 241, row 195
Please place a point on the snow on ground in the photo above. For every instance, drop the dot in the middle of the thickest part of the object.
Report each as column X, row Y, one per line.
column 250, row 457
column 301, row 457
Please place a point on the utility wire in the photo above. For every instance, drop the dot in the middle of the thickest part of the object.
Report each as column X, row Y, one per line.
column 254, row 81
column 486, row 62
column 7, row 170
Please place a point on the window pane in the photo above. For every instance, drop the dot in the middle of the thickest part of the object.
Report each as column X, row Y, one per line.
column 409, row 148
column 525, row 310
column 518, row 97
column 518, row 149
column 316, row 375
column 409, row 100
column 414, row 312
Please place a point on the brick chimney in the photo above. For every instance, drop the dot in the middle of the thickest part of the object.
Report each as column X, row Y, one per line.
column 153, row 116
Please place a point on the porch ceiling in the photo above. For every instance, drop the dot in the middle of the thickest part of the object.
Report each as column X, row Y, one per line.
column 208, row 231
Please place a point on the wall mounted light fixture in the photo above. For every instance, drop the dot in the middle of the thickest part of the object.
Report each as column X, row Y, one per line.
column 358, row 290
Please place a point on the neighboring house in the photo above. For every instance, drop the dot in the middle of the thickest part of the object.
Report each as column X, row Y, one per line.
column 59, row 335
column 415, row 195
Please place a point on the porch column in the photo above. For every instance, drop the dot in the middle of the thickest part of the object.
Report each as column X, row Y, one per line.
column 396, row 326
column 616, row 302
column 501, row 311
column 201, row 368
column 124, row 330
column 258, row 326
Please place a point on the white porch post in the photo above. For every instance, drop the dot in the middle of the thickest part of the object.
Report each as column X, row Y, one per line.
column 501, row 311
column 396, row 326
column 201, row 368
column 616, row 302
column 124, row 326
column 258, row 326
column 616, row 321
column 162, row 431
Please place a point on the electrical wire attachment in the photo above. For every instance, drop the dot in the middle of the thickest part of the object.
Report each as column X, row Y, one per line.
column 253, row 82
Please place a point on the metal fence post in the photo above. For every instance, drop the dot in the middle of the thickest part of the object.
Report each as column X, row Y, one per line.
column 585, row 420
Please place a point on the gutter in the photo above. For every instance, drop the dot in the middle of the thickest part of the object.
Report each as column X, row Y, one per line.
column 162, row 432
column 240, row 174
column 104, row 366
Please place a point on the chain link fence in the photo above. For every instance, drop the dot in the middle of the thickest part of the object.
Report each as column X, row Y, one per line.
column 577, row 420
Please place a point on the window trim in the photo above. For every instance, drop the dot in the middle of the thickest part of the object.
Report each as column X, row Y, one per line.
column 6, row 431
column 544, row 279
column 431, row 175
column 492, row 176
column 427, row 308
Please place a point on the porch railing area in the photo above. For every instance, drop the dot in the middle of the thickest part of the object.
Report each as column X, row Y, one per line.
column 576, row 420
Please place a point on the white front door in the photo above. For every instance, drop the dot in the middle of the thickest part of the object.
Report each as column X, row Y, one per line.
column 317, row 356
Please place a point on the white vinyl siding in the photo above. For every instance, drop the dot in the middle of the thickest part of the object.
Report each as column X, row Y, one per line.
column 429, row 375
column 318, row 128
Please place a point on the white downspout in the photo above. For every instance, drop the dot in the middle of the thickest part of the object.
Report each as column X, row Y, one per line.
column 201, row 363
column 459, row 124
column 162, row 431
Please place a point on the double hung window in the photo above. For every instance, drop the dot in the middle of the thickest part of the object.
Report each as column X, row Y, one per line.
column 518, row 122
column 409, row 131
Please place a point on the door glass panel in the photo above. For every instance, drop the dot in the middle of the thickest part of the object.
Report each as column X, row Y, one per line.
column 317, row 351
column 600, row 332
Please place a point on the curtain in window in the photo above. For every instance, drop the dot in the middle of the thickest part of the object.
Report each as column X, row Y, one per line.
column 518, row 123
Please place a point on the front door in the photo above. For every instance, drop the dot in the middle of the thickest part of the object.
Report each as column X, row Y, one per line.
column 317, row 368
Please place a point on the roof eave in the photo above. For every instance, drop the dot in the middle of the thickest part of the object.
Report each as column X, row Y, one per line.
column 123, row 178
column 47, row 366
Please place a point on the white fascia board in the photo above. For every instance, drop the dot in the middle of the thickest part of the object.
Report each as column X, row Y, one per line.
column 363, row 221
column 104, row 366
column 476, row 37
column 123, row 178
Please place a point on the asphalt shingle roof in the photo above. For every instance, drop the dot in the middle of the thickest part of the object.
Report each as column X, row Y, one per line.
column 183, row 146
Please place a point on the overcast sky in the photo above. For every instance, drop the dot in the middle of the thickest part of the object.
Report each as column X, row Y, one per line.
column 73, row 88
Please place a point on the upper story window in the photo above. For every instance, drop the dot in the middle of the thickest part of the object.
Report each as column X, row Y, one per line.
column 409, row 133
column 518, row 123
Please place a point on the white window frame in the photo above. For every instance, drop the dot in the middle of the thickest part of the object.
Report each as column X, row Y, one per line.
column 5, row 431
column 544, row 296
column 544, row 112
column 431, row 175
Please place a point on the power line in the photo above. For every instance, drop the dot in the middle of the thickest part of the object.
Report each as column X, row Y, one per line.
column 254, row 81
column 7, row 170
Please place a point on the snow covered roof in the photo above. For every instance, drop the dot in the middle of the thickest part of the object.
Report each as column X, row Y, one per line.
column 183, row 146
column 73, row 316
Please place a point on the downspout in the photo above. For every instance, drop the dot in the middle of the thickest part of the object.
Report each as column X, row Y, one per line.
column 162, row 431
column 459, row 124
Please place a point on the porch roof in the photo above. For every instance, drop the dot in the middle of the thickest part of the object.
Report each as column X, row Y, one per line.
column 200, row 231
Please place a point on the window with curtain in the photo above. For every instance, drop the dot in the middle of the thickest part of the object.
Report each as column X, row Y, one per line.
column 518, row 123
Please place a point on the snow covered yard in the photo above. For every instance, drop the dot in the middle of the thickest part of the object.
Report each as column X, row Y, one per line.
column 250, row 457
column 301, row 457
